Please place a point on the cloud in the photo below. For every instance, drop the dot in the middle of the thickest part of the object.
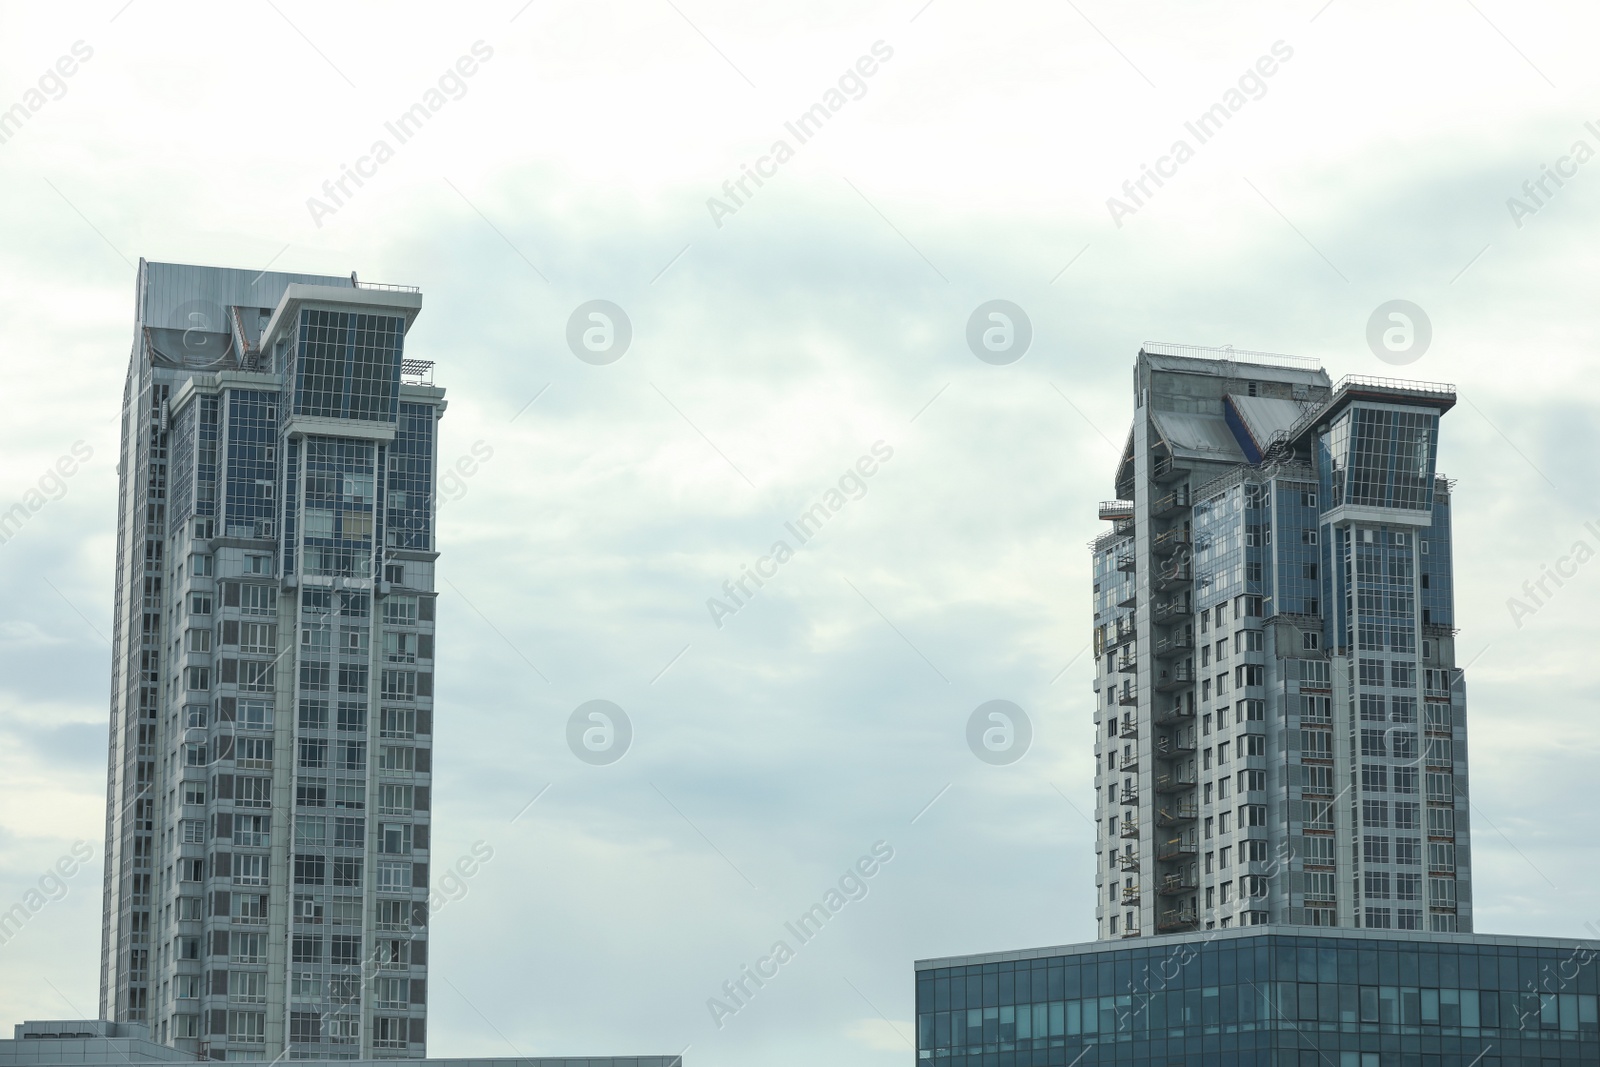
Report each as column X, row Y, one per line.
column 827, row 314
column 881, row 1035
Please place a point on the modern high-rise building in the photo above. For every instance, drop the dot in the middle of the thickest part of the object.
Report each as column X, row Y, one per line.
column 1282, row 857
column 268, row 789
column 1280, row 721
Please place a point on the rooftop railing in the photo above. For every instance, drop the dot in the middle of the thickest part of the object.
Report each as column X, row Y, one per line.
column 380, row 287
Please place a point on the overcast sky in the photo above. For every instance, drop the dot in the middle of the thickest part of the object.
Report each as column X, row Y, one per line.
column 775, row 340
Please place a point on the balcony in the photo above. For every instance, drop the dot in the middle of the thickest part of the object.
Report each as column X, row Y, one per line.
column 1169, row 542
column 1127, row 861
column 1129, row 728
column 1177, row 882
column 1175, row 643
column 1122, row 633
column 1174, row 783
column 1168, row 747
column 1130, row 761
column 1175, row 712
column 1176, row 849
column 1130, row 798
column 1129, row 828
column 1130, row 895
column 1132, row 931
column 1177, row 500
column 1175, row 677
column 1165, row 469
column 1126, row 561
column 1130, row 601
column 1116, row 509
column 1129, row 696
column 1170, row 611
column 1176, row 919
column 1128, row 662
column 1178, row 573
column 1177, row 814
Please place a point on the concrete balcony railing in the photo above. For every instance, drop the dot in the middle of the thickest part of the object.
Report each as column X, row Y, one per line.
column 1176, row 848
column 1178, row 813
column 1177, row 500
column 1177, row 711
column 1170, row 541
column 1175, row 644
column 1174, row 783
column 1177, row 882
column 1169, row 747
column 1177, row 609
column 1177, row 676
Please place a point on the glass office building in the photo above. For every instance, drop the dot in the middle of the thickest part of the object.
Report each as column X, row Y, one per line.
column 1268, row 997
column 1281, row 727
column 269, row 784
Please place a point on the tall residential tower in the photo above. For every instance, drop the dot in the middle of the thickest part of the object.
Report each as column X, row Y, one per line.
column 1280, row 723
column 269, row 778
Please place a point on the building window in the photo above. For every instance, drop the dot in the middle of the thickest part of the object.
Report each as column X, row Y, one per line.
column 254, row 714
column 310, row 870
column 247, row 947
column 1375, row 849
column 313, row 752
column 253, row 753
column 1405, row 744
column 347, row 871
column 306, row 949
column 305, row 1027
column 249, row 870
column 394, row 875
column 252, row 830
column 1375, row 813
column 249, row 1027
column 349, row 832
column 1320, row 886
column 402, row 723
column 391, row 1033
column 311, row 792
column 395, row 838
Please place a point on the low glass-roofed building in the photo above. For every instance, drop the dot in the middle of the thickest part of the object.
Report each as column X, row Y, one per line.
column 1268, row 997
